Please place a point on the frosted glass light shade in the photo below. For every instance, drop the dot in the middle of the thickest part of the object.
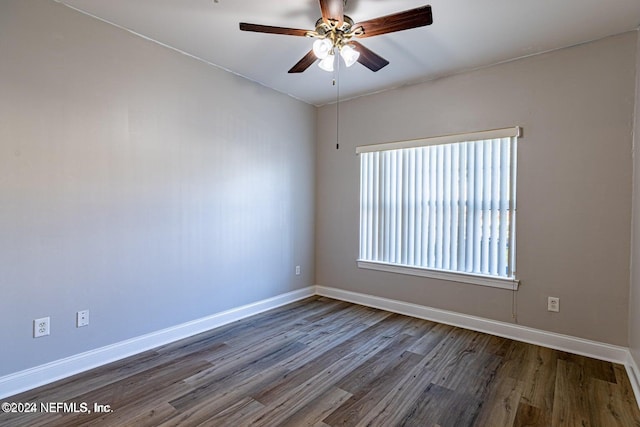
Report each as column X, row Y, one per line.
column 349, row 54
column 327, row 63
column 322, row 47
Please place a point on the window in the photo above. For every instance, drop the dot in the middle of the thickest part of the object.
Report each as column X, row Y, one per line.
column 441, row 207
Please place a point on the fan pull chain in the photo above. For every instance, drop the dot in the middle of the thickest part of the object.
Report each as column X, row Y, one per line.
column 337, row 80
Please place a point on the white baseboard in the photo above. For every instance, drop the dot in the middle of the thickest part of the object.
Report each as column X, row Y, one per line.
column 634, row 376
column 594, row 349
column 597, row 350
column 44, row 374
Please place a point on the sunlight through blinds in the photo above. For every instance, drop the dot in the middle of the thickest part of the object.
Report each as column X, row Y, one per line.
column 439, row 204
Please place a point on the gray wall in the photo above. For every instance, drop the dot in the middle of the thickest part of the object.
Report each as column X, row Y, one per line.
column 634, row 297
column 574, row 184
column 138, row 183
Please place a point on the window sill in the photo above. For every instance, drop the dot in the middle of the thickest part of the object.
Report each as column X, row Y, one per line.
column 474, row 279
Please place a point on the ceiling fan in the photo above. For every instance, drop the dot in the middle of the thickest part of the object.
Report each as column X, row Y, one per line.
column 335, row 31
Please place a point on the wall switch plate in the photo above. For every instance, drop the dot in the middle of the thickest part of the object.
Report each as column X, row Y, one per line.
column 82, row 318
column 297, row 270
column 553, row 304
column 41, row 327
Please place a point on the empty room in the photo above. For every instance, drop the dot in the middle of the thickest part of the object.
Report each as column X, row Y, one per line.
column 319, row 213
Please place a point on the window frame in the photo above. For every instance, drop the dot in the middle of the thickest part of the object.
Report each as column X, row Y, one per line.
column 508, row 282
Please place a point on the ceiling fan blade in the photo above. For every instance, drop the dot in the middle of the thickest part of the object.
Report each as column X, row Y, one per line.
column 413, row 18
column 257, row 28
column 332, row 10
column 304, row 63
column 368, row 58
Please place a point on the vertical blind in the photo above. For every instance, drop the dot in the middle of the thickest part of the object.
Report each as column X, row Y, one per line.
column 444, row 206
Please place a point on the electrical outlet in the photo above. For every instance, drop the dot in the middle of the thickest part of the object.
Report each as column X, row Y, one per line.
column 553, row 304
column 41, row 327
column 297, row 270
column 82, row 318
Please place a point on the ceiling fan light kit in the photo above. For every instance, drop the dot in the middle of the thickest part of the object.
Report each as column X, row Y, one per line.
column 335, row 31
column 324, row 49
column 331, row 37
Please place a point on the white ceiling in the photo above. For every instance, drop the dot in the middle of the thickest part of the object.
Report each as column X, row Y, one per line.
column 465, row 34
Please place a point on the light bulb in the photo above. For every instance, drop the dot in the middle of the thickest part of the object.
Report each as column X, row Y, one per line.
column 327, row 63
column 349, row 54
column 322, row 47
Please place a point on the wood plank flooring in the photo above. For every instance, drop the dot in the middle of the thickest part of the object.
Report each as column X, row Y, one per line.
column 322, row 362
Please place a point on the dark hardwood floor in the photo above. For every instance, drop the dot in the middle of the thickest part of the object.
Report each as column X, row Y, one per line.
column 321, row 362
